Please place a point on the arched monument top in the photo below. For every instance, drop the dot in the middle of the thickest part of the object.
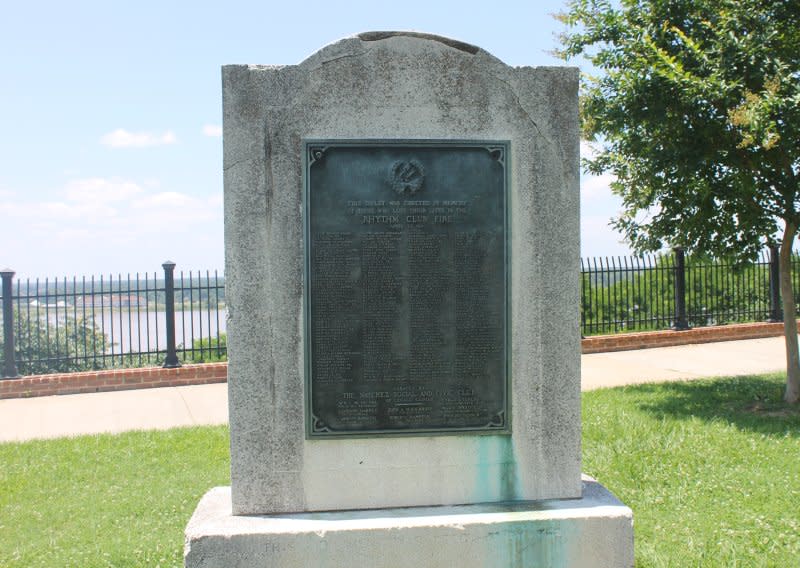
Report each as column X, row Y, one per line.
column 454, row 43
column 364, row 41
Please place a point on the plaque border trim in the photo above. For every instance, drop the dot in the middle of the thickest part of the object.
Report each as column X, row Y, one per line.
column 313, row 149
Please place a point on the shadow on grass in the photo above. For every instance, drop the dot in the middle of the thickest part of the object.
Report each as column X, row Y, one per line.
column 749, row 402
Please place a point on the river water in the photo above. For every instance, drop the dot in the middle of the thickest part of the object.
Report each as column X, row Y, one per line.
column 131, row 332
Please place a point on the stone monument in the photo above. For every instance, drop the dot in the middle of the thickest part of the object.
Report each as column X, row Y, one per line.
column 401, row 227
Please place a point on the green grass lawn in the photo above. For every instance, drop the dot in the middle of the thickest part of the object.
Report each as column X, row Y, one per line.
column 711, row 470
column 106, row 500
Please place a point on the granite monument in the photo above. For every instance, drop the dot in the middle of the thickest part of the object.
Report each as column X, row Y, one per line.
column 401, row 233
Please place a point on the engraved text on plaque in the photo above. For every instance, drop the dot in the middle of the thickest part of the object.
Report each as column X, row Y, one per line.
column 406, row 287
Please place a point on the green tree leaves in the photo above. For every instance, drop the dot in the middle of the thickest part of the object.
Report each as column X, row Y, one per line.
column 697, row 108
column 697, row 111
column 64, row 346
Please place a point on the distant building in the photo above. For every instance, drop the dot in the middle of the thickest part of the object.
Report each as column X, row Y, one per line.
column 37, row 303
column 111, row 300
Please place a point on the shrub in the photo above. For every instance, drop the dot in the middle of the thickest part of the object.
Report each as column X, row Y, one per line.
column 206, row 350
column 67, row 345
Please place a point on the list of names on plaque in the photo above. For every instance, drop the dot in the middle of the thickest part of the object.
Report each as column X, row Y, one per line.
column 406, row 287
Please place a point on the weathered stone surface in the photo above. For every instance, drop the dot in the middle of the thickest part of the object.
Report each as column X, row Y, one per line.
column 399, row 86
column 596, row 530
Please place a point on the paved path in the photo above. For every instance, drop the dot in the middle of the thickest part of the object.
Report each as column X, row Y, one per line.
column 161, row 408
column 726, row 358
column 120, row 411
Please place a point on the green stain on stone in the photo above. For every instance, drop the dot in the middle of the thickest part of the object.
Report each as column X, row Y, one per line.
column 509, row 479
column 524, row 545
column 537, row 544
column 496, row 472
column 482, row 486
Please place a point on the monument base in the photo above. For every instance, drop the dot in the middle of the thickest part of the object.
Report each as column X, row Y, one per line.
column 595, row 530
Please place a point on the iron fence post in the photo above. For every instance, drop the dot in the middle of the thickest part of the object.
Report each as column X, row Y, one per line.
column 171, row 360
column 680, row 322
column 9, row 362
column 775, row 311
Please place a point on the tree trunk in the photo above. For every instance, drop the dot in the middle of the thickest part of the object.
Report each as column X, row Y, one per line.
column 792, row 394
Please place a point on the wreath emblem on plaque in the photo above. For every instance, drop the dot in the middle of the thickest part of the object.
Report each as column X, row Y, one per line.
column 406, row 176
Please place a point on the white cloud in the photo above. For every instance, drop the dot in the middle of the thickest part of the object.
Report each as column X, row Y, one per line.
column 121, row 138
column 165, row 199
column 174, row 212
column 212, row 130
column 596, row 187
column 51, row 214
column 216, row 200
column 588, row 149
column 75, row 234
column 598, row 238
column 110, row 210
column 101, row 190
column 88, row 226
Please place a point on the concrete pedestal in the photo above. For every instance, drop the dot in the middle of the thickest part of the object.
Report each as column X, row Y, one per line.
column 593, row 531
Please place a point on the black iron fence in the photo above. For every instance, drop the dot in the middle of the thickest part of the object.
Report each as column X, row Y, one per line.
column 678, row 291
column 65, row 325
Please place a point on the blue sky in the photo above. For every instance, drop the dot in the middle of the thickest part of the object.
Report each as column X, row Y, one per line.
column 111, row 113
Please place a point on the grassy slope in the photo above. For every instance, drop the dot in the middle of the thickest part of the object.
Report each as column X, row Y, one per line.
column 106, row 500
column 710, row 468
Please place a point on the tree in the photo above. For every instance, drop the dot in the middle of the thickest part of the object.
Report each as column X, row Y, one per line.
column 697, row 111
column 66, row 346
column 206, row 350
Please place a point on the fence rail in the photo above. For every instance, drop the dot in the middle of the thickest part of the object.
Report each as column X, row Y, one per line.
column 58, row 325
column 677, row 291
column 62, row 325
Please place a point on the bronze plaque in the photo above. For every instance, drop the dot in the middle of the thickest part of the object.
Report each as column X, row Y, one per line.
column 406, row 287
